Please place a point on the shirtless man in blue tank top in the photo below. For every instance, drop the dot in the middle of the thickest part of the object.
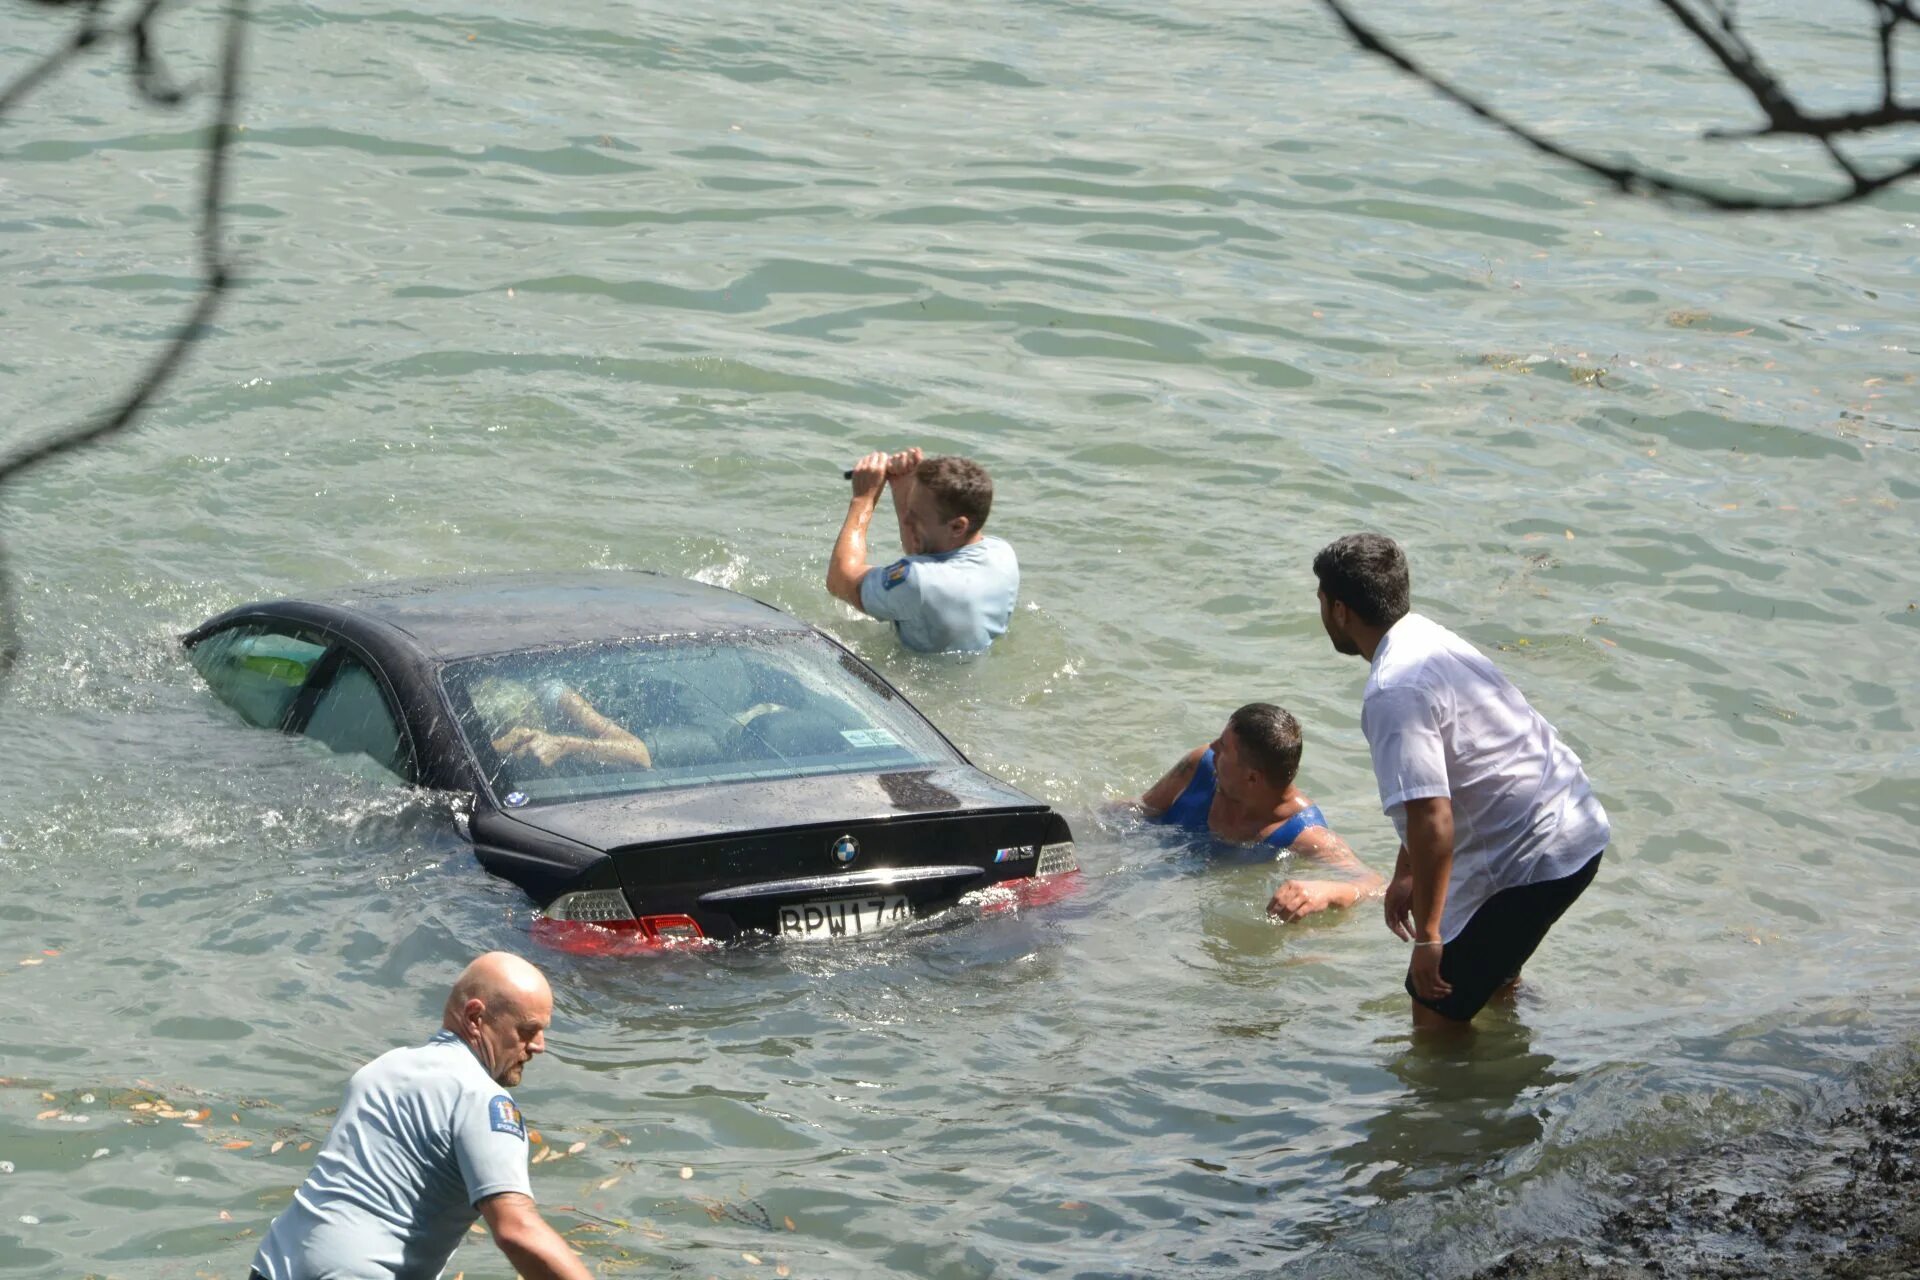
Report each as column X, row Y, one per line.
column 1239, row 789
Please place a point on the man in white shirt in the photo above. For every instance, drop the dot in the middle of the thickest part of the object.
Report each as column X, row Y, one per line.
column 427, row 1140
column 1499, row 829
column 955, row 588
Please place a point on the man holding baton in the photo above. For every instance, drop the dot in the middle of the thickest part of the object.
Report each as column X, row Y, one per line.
column 955, row 588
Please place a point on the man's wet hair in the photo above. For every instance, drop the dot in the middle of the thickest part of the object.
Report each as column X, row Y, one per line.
column 1367, row 572
column 960, row 487
column 1270, row 738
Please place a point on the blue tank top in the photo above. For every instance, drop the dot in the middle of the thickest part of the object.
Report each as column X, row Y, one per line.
column 1189, row 809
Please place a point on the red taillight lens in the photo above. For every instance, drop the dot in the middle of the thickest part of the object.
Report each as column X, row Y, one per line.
column 667, row 930
column 618, row 937
column 598, row 922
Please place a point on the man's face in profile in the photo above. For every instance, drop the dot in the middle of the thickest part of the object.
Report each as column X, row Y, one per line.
column 928, row 531
column 1342, row 642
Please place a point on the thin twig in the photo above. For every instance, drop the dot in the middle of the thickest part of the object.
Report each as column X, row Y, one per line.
column 217, row 278
column 1784, row 116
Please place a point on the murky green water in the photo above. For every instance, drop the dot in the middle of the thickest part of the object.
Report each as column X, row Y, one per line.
column 628, row 285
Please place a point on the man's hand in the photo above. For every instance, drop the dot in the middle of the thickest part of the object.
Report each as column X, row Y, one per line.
column 1424, row 972
column 901, row 465
column 1297, row 898
column 869, row 474
column 1398, row 905
column 524, row 741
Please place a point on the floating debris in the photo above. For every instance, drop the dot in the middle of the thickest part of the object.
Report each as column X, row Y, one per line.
column 576, row 1148
column 686, row 1172
column 6, row 1166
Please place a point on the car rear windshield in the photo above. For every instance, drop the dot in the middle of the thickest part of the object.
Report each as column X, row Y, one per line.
column 614, row 719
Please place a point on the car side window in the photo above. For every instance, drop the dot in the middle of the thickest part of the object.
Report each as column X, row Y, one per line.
column 257, row 669
column 352, row 715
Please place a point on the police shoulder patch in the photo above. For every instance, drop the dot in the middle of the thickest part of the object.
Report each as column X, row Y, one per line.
column 506, row 1117
column 896, row 574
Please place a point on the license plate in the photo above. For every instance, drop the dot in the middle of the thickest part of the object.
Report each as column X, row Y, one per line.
column 841, row 917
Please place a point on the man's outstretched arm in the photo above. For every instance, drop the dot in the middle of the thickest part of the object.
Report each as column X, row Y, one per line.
column 1357, row 882
column 534, row 1248
column 1160, row 796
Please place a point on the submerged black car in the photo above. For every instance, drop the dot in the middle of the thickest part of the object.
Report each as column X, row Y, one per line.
column 653, row 760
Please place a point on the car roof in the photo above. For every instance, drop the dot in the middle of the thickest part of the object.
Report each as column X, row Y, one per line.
column 471, row 615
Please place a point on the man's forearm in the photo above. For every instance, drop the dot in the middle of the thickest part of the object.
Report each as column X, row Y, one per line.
column 849, row 561
column 543, row 1255
column 1429, row 857
column 901, row 487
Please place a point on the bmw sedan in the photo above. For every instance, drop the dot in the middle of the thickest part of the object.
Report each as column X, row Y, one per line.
column 652, row 760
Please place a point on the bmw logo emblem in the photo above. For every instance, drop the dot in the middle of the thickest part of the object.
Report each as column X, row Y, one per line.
column 515, row 799
column 845, row 850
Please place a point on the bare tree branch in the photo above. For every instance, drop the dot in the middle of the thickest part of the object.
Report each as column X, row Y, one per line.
column 216, row 268
column 1783, row 114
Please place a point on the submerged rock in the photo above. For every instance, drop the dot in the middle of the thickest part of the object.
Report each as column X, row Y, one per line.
column 1838, row 1200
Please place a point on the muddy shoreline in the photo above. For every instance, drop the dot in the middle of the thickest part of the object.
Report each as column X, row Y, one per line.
column 1837, row 1198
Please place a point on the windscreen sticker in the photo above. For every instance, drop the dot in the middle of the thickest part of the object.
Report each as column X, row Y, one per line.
column 1016, row 854
column 870, row 737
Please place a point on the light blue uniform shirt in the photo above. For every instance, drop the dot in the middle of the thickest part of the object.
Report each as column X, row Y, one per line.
column 423, row 1135
column 960, row 600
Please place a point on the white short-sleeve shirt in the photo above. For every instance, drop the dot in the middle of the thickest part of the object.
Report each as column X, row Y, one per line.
column 1440, row 720
column 423, row 1135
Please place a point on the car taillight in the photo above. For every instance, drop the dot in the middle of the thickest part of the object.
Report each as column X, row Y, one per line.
column 593, row 906
column 598, row 922
column 1056, row 859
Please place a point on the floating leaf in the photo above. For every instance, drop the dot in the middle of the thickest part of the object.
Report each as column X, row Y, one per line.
column 274, row 1150
column 608, row 1182
column 783, row 1270
column 48, row 1114
column 101, row 1154
column 477, row 1229
column 204, row 1113
column 533, row 1136
column 753, row 1258
column 576, row 1148
column 225, row 1216
column 304, row 1146
column 143, row 1106
column 790, row 1226
column 238, row 1144
column 50, row 951
column 30, row 961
